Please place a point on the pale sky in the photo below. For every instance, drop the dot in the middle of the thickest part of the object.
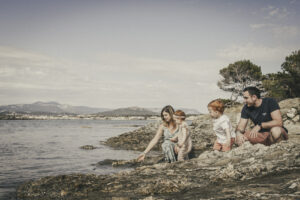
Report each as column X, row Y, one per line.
column 146, row 53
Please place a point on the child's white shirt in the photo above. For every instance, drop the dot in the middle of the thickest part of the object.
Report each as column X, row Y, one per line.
column 219, row 127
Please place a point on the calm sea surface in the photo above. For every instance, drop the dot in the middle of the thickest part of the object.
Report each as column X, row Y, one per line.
column 31, row 149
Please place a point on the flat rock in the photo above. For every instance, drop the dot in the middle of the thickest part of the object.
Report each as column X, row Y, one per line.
column 249, row 171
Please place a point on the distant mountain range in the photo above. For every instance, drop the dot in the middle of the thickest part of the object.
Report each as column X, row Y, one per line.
column 131, row 111
column 57, row 108
column 49, row 107
column 188, row 111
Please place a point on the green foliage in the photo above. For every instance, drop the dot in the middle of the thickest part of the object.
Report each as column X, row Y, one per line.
column 241, row 72
column 228, row 102
column 285, row 84
column 280, row 85
column 291, row 68
column 274, row 86
column 239, row 75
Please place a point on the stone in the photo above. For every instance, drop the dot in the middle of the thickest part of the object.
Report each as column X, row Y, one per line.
column 245, row 173
column 294, row 185
column 88, row 147
column 287, row 104
column 293, row 128
column 292, row 113
column 296, row 119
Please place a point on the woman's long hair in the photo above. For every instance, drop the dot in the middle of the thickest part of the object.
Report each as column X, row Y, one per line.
column 168, row 109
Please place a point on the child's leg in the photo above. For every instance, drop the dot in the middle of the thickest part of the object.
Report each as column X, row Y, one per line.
column 180, row 155
column 176, row 149
column 217, row 146
column 228, row 148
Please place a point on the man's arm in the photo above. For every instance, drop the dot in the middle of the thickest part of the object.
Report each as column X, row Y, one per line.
column 241, row 126
column 240, row 129
column 276, row 120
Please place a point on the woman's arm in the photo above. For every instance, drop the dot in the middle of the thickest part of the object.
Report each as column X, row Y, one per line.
column 152, row 143
column 174, row 139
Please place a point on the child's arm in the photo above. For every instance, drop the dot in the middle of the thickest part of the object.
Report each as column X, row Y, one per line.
column 184, row 133
column 226, row 127
column 228, row 137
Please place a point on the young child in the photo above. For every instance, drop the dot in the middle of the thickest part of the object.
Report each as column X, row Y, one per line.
column 221, row 126
column 184, row 145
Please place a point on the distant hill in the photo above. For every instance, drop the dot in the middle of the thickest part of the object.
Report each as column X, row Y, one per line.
column 49, row 108
column 130, row 111
column 55, row 108
column 188, row 111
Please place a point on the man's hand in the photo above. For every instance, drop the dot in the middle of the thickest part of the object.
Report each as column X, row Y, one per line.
column 240, row 138
column 254, row 131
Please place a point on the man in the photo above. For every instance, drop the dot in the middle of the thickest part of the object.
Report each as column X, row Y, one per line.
column 266, row 116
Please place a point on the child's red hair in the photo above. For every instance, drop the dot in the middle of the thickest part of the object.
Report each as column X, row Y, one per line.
column 180, row 113
column 217, row 105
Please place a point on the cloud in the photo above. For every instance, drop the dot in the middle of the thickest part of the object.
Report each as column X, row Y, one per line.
column 253, row 52
column 278, row 31
column 258, row 26
column 157, row 69
column 275, row 12
column 113, row 80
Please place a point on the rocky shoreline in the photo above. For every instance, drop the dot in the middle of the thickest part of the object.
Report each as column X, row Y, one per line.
column 246, row 172
column 202, row 177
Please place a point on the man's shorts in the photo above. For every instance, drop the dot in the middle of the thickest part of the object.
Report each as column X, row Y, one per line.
column 265, row 137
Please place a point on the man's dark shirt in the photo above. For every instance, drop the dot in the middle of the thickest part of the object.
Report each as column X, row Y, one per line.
column 262, row 113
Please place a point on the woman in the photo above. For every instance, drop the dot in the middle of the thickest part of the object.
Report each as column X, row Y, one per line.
column 169, row 129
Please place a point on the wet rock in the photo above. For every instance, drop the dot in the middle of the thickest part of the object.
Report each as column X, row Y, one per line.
column 134, row 163
column 88, row 147
column 135, row 140
column 249, row 171
column 106, row 162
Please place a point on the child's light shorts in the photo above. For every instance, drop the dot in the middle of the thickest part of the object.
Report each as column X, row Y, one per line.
column 223, row 147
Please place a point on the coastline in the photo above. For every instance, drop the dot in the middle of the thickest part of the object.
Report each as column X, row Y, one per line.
column 249, row 171
column 87, row 117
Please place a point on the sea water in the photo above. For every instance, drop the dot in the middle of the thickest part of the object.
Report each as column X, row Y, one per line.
column 31, row 149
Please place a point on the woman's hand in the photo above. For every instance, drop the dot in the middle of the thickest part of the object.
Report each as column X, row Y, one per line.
column 141, row 157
